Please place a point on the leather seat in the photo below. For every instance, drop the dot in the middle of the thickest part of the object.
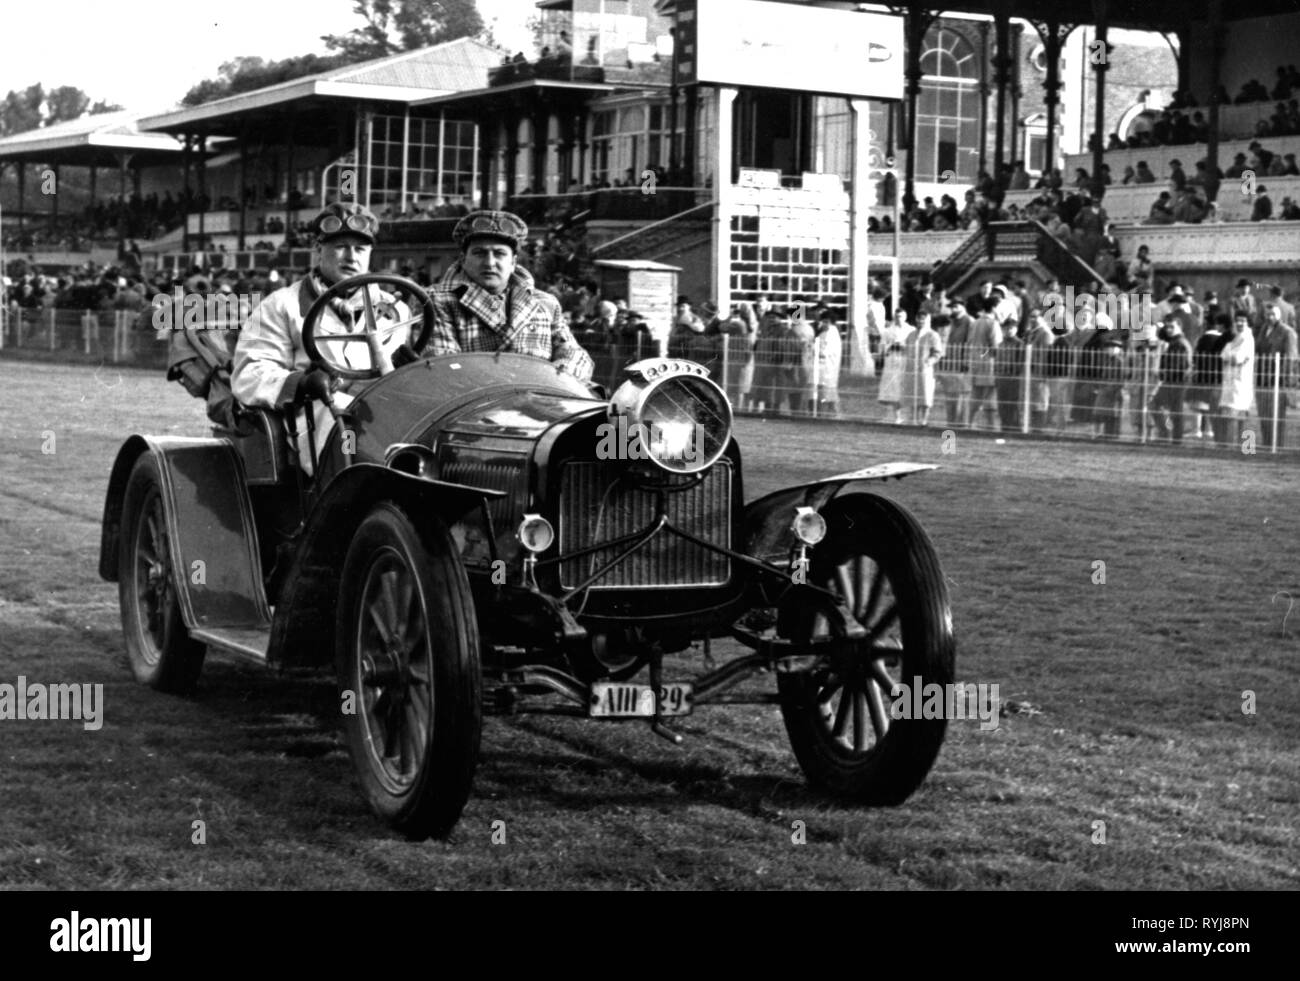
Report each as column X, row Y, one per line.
column 202, row 361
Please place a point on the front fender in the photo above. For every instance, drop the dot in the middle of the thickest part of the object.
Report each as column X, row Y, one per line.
column 111, row 526
column 767, row 520
column 210, row 528
column 302, row 631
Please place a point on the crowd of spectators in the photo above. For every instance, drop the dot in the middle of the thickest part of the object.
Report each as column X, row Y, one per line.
column 108, row 220
column 1183, row 369
column 105, row 289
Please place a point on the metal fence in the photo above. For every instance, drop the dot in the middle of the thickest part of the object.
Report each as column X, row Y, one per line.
column 1059, row 390
column 81, row 336
column 1062, row 389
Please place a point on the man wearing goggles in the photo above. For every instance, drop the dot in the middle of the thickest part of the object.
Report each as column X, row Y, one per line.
column 329, row 223
column 486, row 302
column 270, row 361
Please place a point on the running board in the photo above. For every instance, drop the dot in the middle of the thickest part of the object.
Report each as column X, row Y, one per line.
column 248, row 643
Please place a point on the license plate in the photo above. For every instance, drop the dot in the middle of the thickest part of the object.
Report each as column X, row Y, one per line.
column 614, row 700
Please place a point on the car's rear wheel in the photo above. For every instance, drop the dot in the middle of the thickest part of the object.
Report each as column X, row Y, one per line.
column 879, row 562
column 408, row 667
column 159, row 648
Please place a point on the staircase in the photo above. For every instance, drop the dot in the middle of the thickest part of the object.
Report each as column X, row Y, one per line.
column 1024, row 248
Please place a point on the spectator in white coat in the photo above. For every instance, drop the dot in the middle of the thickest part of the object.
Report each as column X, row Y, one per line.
column 924, row 350
column 893, row 348
column 1237, row 396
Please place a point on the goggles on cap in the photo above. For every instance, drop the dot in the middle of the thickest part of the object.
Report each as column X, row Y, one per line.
column 331, row 224
column 490, row 225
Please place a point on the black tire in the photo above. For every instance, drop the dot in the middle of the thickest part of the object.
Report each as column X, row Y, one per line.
column 158, row 646
column 401, row 588
column 838, row 717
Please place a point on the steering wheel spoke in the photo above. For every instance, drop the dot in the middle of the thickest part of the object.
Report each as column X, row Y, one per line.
column 373, row 333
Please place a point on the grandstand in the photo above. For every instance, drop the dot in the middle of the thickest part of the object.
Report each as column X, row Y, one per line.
column 755, row 176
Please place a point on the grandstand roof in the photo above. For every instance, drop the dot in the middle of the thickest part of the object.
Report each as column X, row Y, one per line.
column 477, row 95
column 404, row 78
column 1139, row 14
column 89, row 141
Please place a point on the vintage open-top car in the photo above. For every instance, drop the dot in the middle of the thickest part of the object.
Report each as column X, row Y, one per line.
column 486, row 533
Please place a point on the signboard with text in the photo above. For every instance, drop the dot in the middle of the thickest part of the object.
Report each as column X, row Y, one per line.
column 764, row 44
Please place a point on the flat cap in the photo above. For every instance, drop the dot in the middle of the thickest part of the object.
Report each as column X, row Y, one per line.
column 500, row 225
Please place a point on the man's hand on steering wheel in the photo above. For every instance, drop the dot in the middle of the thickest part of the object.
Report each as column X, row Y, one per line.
column 301, row 386
column 404, row 355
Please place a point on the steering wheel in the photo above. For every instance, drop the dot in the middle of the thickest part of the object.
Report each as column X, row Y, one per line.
column 373, row 334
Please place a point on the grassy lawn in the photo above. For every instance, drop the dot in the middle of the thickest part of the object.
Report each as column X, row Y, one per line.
column 1129, row 692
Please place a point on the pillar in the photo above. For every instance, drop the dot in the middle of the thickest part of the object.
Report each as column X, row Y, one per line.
column 1099, row 58
column 860, row 203
column 1216, row 63
column 915, row 25
column 243, row 184
column 1001, row 77
column 1053, row 34
column 724, row 193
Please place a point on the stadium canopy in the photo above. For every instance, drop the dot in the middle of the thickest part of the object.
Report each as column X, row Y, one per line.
column 91, row 141
column 1053, row 20
column 1145, row 15
column 327, row 103
column 106, row 140
column 328, row 110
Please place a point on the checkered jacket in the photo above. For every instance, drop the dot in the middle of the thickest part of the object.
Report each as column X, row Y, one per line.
column 468, row 318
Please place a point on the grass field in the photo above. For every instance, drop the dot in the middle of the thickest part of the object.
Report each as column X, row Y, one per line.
column 1129, row 693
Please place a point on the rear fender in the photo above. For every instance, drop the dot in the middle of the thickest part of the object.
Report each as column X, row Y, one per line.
column 210, row 525
column 768, row 535
column 302, row 632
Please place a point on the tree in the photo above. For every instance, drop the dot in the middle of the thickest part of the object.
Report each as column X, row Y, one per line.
column 33, row 107
column 64, row 103
column 21, row 111
column 404, row 25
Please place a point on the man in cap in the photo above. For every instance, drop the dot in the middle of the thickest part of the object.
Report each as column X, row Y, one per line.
column 486, row 302
column 271, row 365
column 1275, row 377
column 1287, row 310
column 1175, row 374
column 1179, row 305
column 1244, row 302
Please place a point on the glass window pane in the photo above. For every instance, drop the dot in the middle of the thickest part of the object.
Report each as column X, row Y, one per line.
column 633, row 120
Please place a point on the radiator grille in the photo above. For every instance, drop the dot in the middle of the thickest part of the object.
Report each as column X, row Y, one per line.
column 667, row 561
column 495, row 475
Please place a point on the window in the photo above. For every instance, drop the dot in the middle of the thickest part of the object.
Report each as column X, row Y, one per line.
column 948, row 108
column 1036, row 159
column 602, row 141
column 833, row 137
column 440, row 165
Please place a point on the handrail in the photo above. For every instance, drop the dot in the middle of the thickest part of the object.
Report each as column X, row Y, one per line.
column 653, row 224
column 1060, row 247
column 960, row 260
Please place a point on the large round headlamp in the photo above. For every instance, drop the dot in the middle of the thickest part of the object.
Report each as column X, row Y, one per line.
column 670, row 413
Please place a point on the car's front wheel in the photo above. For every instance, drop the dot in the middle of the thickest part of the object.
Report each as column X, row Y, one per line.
column 880, row 564
column 409, row 673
